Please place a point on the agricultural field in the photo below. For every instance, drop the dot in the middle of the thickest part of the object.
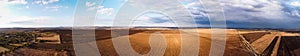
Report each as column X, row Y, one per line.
column 59, row 42
column 16, row 43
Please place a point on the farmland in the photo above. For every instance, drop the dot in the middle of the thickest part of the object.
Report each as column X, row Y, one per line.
column 16, row 39
column 238, row 42
column 20, row 42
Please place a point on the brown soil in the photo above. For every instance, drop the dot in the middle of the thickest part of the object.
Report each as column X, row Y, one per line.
column 139, row 40
column 36, row 52
column 251, row 37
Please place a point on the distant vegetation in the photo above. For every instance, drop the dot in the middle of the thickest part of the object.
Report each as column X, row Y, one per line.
column 17, row 39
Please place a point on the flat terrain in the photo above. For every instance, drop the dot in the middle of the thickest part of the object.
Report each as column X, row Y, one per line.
column 139, row 40
column 238, row 42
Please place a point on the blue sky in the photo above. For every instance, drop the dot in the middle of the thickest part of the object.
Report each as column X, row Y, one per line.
column 238, row 13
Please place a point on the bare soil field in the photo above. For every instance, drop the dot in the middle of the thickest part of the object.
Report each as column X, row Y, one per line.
column 251, row 37
column 289, row 46
column 139, row 40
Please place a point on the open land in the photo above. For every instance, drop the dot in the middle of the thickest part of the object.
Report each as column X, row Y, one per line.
column 58, row 42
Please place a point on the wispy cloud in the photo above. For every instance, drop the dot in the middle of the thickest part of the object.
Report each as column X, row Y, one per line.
column 25, row 21
column 55, row 8
column 295, row 3
column 13, row 2
column 105, row 11
column 260, row 14
column 45, row 2
column 89, row 4
column 101, row 10
column 238, row 13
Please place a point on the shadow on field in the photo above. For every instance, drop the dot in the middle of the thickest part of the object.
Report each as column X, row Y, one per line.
column 66, row 38
column 289, row 46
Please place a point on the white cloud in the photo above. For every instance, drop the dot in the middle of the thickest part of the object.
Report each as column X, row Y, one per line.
column 24, row 19
column 45, row 2
column 89, row 4
column 27, row 7
column 295, row 3
column 173, row 8
column 144, row 20
column 101, row 10
column 189, row 1
column 13, row 2
column 105, row 11
column 152, row 21
column 194, row 4
column 4, row 11
column 257, row 13
column 145, row 4
column 250, row 9
column 39, row 21
column 94, row 8
column 246, row 10
column 55, row 8
column 295, row 13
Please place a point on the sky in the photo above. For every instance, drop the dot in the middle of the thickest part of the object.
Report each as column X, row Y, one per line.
column 238, row 13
